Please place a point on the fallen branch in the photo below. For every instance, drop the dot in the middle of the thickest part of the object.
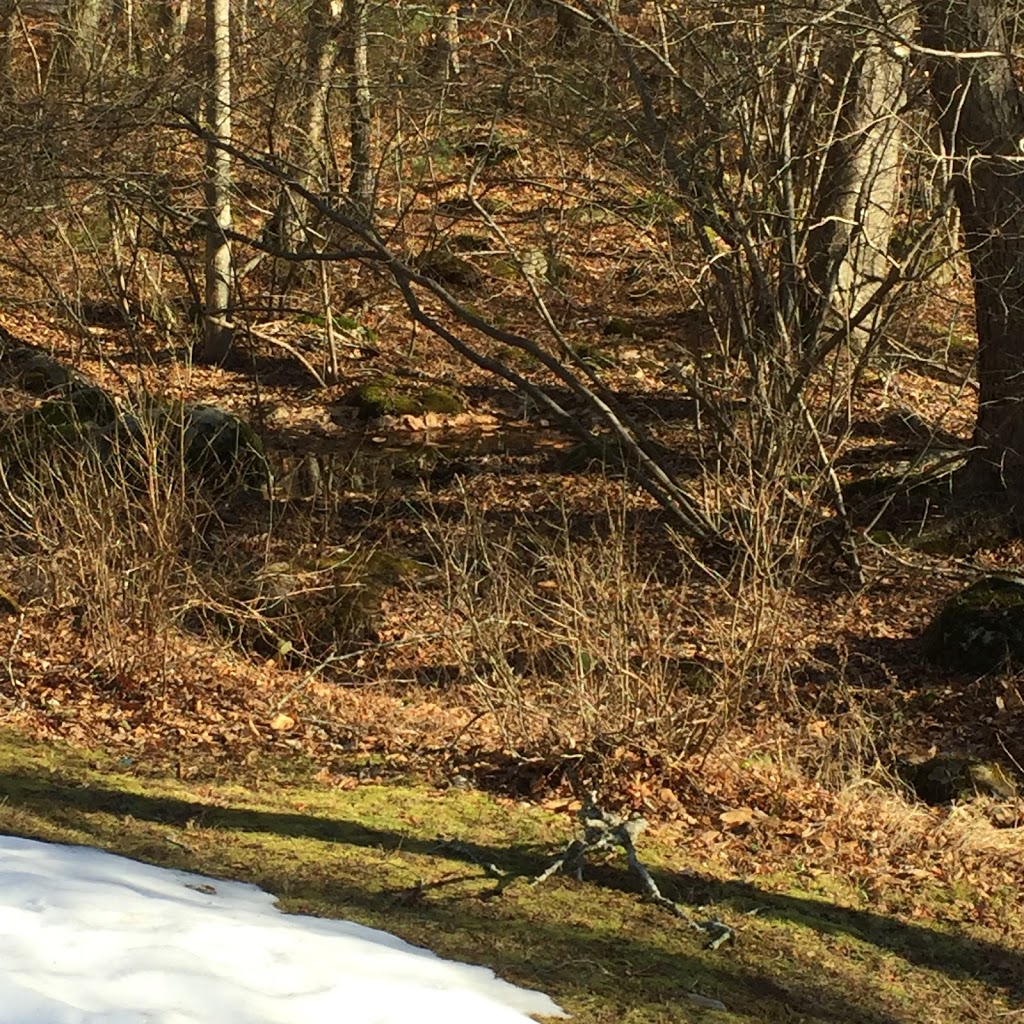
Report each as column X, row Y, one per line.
column 605, row 830
column 602, row 831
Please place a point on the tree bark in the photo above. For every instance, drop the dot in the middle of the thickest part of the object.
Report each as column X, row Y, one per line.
column 981, row 114
column 171, row 21
column 848, row 247
column 320, row 52
column 7, row 11
column 441, row 58
column 76, row 46
column 217, row 327
column 308, row 150
column 361, row 183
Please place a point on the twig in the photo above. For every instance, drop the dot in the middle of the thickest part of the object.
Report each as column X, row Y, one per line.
column 290, row 349
column 9, row 661
column 504, row 878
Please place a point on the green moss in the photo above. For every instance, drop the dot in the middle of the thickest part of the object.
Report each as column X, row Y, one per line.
column 372, row 854
column 386, row 396
column 382, row 398
column 440, row 400
column 947, row 778
column 981, row 629
column 342, row 323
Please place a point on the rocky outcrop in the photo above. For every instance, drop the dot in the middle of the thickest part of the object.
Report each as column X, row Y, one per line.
column 218, row 450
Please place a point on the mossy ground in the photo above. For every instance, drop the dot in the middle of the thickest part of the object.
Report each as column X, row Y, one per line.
column 807, row 949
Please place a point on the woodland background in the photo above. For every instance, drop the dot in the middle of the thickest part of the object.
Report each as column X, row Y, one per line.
column 543, row 398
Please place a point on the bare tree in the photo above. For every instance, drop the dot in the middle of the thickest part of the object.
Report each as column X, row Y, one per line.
column 308, row 151
column 981, row 112
column 217, row 325
column 361, row 186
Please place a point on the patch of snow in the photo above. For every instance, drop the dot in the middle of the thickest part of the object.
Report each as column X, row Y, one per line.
column 87, row 937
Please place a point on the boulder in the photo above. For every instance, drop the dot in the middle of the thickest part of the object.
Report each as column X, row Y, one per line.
column 387, row 396
column 311, row 607
column 223, row 450
column 948, row 778
column 981, row 629
column 78, row 417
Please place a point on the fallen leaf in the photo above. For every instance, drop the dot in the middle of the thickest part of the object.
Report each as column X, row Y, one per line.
column 736, row 817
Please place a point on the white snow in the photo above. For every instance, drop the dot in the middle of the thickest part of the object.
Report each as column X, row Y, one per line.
column 90, row 938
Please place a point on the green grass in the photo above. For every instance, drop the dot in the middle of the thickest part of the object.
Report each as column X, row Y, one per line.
column 371, row 854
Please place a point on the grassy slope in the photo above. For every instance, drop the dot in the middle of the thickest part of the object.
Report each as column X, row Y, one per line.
column 371, row 854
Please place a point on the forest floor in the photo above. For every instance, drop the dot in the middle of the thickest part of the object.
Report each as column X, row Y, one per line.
column 378, row 786
column 541, row 630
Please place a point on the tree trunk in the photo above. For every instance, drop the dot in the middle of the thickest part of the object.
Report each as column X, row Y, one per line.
column 361, row 184
column 848, row 248
column 7, row 10
column 308, row 150
column 217, row 326
column 981, row 113
column 171, row 25
column 320, row 51
column 441, row 58
column 76, row 46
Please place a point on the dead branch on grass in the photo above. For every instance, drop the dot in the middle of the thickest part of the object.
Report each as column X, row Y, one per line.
column 603, row 832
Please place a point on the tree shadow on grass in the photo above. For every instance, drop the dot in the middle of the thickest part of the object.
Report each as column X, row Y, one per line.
column 600, row 953
column 955, row 955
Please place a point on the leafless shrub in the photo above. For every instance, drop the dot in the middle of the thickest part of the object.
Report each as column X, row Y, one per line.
column 573, row 645
column 109, row 538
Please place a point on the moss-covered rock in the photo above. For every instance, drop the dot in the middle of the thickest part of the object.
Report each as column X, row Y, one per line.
column 448, row 268
column 620, row 327
column 602, row 455
column 947, row 778
column 381, row 398
column 223, row 450
column 31, row 369
column 56, row 427
column 596, row 356
column 386, row 396
column 981, row 629
column 217, row 449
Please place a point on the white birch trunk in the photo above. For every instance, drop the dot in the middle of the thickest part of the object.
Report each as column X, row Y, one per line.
column 361, row 184
column 217, row 326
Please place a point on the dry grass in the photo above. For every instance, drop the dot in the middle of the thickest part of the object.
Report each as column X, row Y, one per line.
column 106, row 539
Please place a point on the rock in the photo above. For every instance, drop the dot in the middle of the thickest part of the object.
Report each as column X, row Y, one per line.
column 981, row 629
column 8, row 605
column 33, row 370
column 448, row 268
column 222, row 449
column 946, row 778
column 310, row 607
column 79, row 417
column 385, row 396
column 34, row 439
column 489, row 151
